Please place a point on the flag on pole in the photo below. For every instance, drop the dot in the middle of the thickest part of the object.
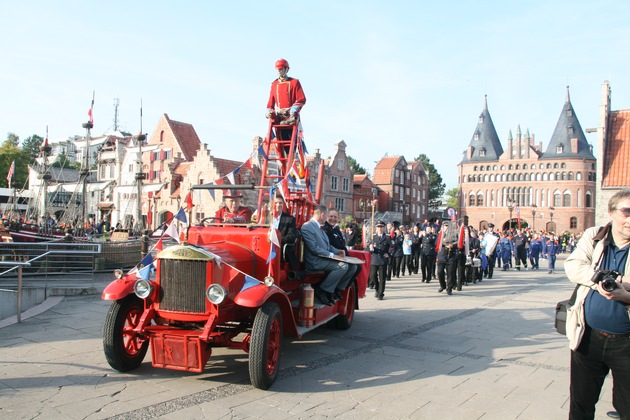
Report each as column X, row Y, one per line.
column 11, row 172
column 189, row 201
column 90, row 115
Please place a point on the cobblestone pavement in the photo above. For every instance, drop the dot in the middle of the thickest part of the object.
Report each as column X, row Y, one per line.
column 487, row 352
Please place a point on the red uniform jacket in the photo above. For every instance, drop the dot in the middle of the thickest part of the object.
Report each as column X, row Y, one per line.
column 286, row 94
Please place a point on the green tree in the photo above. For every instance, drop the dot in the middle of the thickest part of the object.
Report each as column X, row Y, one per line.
column 451, row 197
column 30, row 146
column 9, row 152
column 62, row 161
column 355, row 167
column 436, row 185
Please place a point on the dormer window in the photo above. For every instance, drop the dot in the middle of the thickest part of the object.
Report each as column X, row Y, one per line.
column 570, row 130
column 482, row 152
column 569, row 112
column 480, row 118
column 476, row 136
column 560, row 148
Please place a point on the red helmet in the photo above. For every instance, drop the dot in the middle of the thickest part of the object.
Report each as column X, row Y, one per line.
column 282, row 63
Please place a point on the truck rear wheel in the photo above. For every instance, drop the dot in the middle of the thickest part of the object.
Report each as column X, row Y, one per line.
column 264, row 348
column 343, row 322
column 123, row 349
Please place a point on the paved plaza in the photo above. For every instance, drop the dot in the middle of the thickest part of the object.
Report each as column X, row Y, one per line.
column 487, row 352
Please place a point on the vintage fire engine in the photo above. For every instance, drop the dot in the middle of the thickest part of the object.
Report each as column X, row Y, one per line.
column 224, row 287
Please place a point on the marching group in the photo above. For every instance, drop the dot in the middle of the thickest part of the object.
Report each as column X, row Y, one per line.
column 457, row 254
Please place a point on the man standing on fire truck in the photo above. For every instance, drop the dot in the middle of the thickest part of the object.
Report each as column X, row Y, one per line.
column 286, row 98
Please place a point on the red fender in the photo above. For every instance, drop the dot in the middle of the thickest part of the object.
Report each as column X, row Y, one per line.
column 119, row 288
column 255, row 296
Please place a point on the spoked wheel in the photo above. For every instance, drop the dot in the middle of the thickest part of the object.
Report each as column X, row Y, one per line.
column 264, row 349
column 343, row 322
column 124, row 350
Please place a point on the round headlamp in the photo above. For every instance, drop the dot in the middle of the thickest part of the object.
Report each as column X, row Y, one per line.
column 143, row 288
column 216, row 293
column 118, row 273
column 269, row 281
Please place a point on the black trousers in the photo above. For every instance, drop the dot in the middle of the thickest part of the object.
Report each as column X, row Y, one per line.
column 377, row 277
column 427, row 265
column 590, row 364
column 415, row 261
column 406, row 264
column 491, row 260
column 450, row 267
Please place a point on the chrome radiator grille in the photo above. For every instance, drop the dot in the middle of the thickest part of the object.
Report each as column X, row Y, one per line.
column 183, row 285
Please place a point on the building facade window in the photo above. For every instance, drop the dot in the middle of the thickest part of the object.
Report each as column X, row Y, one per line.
column 573, row 223
column 345, row 185
column 340, row 204
column 333, row 183
column 341, row 165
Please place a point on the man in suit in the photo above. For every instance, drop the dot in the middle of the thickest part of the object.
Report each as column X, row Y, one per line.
column 335, row 237
column 289, row 233
column 318, row 257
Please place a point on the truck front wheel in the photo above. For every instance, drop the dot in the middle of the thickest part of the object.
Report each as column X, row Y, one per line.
column 264, row 348
column 124, row 350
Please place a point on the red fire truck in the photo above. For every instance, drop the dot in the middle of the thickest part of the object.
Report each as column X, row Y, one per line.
column 227, row 285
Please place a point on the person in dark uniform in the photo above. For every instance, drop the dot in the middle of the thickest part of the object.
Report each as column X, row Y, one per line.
column 379, row 248
column 336, row 237
column 447, row 258
column 427, row 258
column 492, row 256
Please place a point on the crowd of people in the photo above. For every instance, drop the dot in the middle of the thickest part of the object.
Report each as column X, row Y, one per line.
column 457, row 254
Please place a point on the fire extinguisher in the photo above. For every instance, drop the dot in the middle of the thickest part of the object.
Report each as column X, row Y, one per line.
column 307, row 306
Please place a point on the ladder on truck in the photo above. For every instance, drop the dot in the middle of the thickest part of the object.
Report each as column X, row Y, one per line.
column 280, row 146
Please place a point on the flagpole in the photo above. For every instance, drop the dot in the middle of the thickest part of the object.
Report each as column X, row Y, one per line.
column 85, row 167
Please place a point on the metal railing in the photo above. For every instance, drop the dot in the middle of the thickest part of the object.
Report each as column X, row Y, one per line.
column 50, row 257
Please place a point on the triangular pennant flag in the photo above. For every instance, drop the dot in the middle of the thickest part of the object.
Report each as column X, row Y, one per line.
column 171, row 231
column 273, row 237
column 219, row 181
column 248, row 164
column 249, row 282
column 181, row 216
column 237, row 169
column 145, row 273
column 272, row 254
column 210, row 191
column 262, row 152
column 159, row 245
column 147, row 260
column 230, row 178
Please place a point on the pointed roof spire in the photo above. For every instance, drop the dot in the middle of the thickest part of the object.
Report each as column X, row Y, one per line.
column 510, row 138
column 567, row 129
column 485, row 144
column 518, row 131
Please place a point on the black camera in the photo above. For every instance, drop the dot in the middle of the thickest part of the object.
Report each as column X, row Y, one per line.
column 606, row 278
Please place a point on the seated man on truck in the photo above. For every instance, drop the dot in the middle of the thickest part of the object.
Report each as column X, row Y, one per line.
column 318, row 256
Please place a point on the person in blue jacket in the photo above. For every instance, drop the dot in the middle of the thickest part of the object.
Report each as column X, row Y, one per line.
column 552, row 248
column 535, row 247
column 507, row 250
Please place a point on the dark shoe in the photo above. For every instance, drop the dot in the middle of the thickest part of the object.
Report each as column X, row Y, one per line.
column 323, row 297
column 428, row 281
column 440, row 290
column 375, row 294
column 337, row 295
column 371, row 286
column 449, row 292
column 380, row 297
column 459, row 288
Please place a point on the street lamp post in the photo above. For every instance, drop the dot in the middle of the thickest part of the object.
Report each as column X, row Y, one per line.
column 374, row 201
column 551, row 211
column 534, row 206
column 510, row 206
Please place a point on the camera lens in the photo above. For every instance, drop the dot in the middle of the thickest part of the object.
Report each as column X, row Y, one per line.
column 609, row 284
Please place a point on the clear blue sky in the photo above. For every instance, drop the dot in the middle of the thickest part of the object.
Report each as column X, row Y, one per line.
column 388, row 77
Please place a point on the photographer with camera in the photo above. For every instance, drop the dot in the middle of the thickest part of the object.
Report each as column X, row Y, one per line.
column 598, row 324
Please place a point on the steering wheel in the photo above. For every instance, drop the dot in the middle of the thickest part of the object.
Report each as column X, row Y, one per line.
column 208, row 219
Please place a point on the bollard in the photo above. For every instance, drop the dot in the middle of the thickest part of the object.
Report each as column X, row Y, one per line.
column 144, row 244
